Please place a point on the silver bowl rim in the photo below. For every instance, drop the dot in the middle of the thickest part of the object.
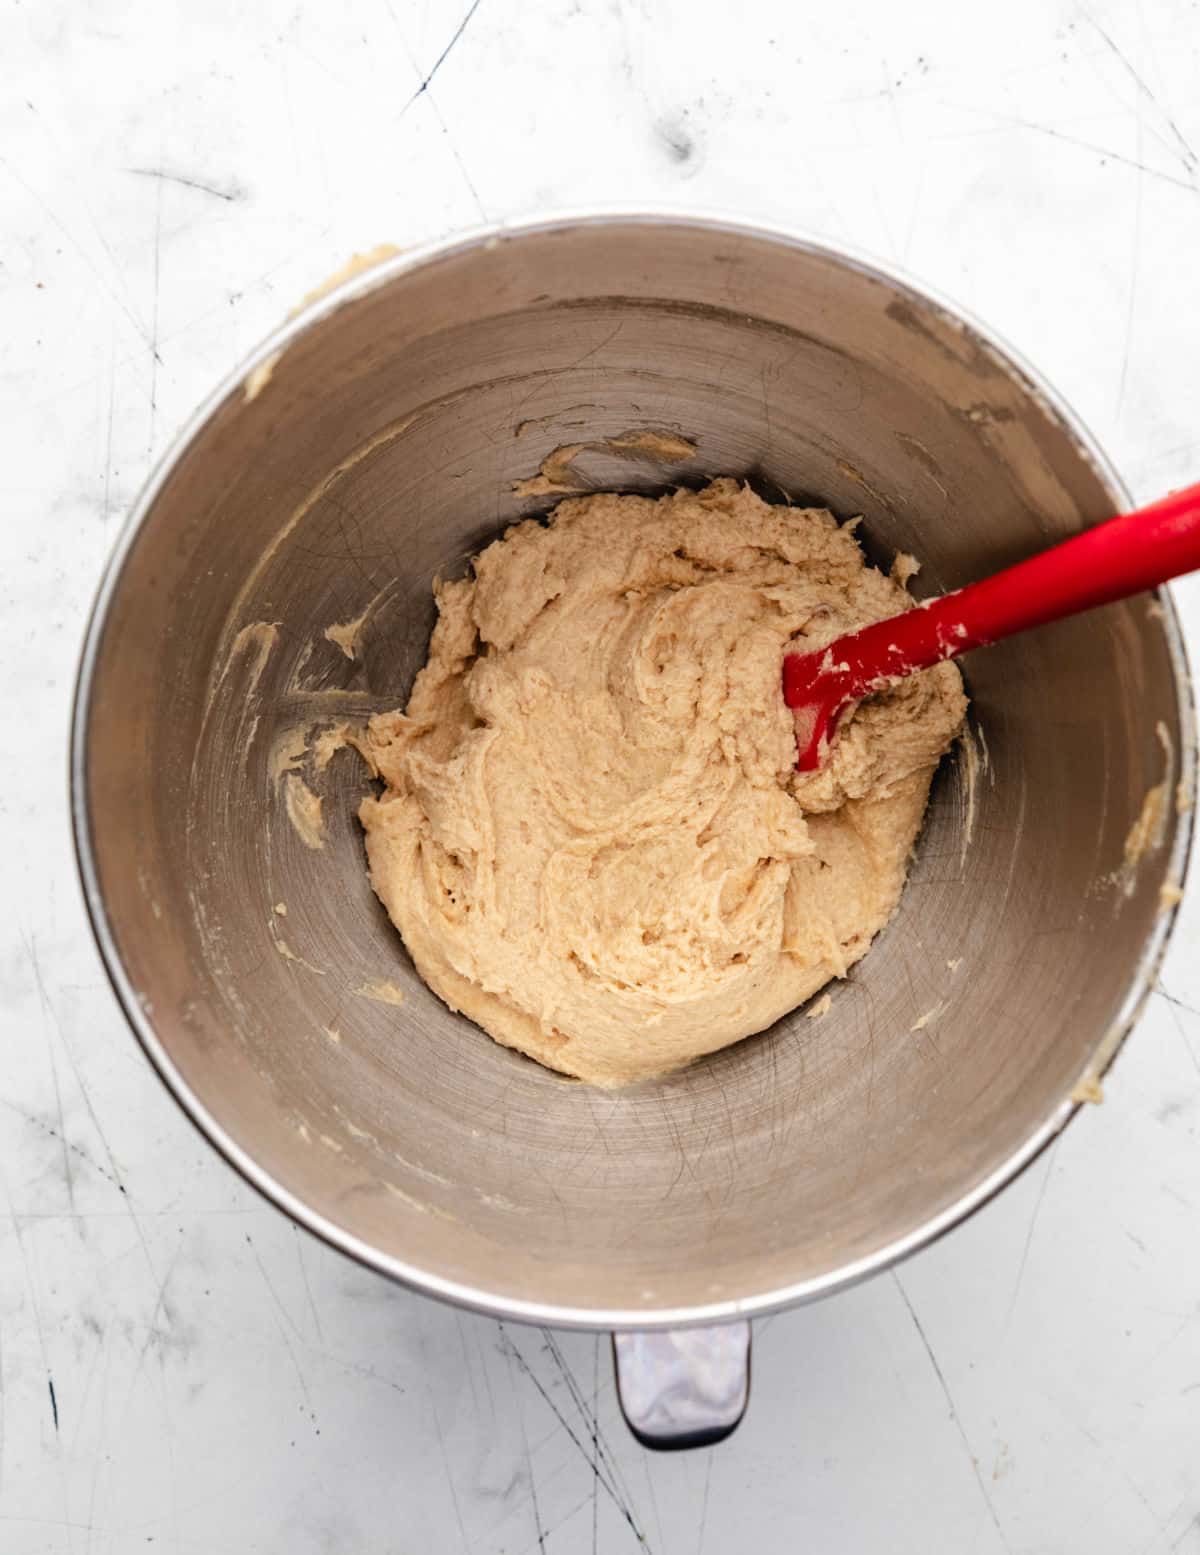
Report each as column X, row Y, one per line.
column 429, row 1283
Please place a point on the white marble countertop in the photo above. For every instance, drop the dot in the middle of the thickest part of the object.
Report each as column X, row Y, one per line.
column 181, row 1369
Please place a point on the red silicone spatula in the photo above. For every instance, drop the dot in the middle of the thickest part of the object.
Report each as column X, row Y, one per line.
column 1120, row 557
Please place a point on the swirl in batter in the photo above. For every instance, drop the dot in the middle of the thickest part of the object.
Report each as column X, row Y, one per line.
column 592, row 837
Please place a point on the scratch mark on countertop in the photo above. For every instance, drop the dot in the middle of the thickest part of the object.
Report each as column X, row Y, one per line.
column 485, row 1369
column 595, row 1470
column 437, row 1426
column 540, row 1541
column 312, row 1306
column 467, row 1366
column 603, row 1453
column 954, row 1415
column 1135, row 266
column 138, row 327
column 100, row 1352
column 98, row 1459
column 1193, row 1524
column 155, row 358
column 441, row 118
column 115, row 1171
column 1173, row 1008
column 704, row 1503
column 48, row 1010
column 53, row 1403
column 1033, row 1219
column 432, row 1398
column 267, row 1281
column 169, row 1431
column 1179, row 1004
column 1186, row 155
column 188, row 183
column 52, row 1133
column 108, row 447
column 285, row 1317
column 35, row 1308
column 645, row 1459
column 357, row 1370
column 441, row 59
column 462, row 166
column 508, row 1350
column 622, row 1505
column 160, row 1305
column 1106, row 152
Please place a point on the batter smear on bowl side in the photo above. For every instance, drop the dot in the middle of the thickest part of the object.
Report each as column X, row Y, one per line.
column 592, row 837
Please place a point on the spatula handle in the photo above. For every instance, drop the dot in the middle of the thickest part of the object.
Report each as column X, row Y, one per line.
column 1123, row 556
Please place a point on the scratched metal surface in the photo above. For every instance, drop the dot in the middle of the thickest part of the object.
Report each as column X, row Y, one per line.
column 180, row 1368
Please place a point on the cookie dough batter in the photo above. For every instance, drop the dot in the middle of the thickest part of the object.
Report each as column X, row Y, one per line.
column 592, row 837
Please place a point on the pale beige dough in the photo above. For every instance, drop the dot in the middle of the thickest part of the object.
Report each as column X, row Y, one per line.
column 592, row 838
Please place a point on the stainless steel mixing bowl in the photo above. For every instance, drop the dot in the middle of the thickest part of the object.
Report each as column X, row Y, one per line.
column 372, row 446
